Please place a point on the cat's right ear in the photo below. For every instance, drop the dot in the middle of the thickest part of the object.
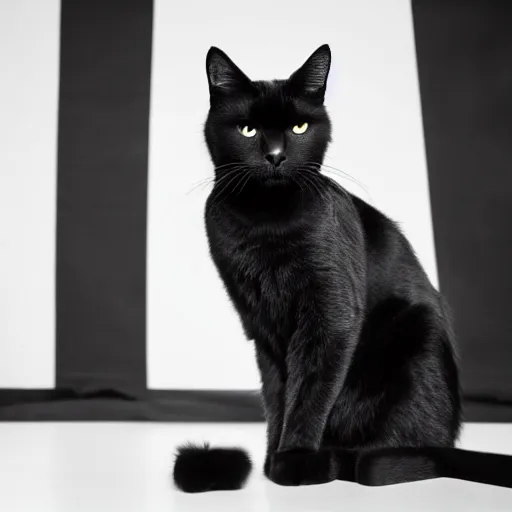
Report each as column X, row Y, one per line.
column 311, row 78
column 224, row 76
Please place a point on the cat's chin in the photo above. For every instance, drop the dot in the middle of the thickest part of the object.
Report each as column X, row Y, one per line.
column 275, row 179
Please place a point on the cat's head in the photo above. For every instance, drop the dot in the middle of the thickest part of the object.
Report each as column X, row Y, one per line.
column 268, row 129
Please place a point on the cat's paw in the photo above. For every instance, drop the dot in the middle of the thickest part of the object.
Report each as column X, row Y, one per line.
column 302, row 468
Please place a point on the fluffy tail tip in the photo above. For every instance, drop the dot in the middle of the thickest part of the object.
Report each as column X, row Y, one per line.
column 201, row 468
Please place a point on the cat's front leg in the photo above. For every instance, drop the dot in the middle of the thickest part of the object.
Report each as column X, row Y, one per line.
column 318, row 359
column 273, row 400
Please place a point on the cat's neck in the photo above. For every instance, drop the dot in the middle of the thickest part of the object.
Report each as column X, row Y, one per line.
column 263, row 203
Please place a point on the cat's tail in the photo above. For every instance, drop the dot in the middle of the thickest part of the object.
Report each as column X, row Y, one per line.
column 397, row 465
column 201, row 468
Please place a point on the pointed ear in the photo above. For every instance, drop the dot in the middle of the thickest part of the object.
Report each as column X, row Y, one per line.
column 224, row 76
column 310, row 79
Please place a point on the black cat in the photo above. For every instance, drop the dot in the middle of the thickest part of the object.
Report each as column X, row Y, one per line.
column 355, row 346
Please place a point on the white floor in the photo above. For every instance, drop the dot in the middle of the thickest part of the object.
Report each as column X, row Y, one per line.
column 96, row 467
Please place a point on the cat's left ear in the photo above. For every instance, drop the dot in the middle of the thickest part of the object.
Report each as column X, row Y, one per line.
column 310, row 80
column 224, row 76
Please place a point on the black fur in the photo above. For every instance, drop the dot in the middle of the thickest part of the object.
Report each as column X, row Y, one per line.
column 354, row 345
column 201, row 468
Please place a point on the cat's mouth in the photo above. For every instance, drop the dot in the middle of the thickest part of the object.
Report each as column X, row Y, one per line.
column 270, row 174
column 273, row 176
column 276, row 178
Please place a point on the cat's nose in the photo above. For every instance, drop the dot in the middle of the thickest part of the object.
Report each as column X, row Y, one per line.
column 276, row 158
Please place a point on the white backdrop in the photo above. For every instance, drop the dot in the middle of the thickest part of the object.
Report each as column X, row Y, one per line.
column 29, row 90
column 194, row 337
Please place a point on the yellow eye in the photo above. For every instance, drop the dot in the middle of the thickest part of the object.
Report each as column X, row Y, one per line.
column 299, row 129
column 247, row 131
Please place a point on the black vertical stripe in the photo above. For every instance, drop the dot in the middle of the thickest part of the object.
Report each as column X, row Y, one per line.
column 464, row 52
column 102, row 181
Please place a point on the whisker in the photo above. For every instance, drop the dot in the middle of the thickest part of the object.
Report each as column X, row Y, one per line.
column 245, row 183
column 308, row 188
column 309, row 178
column 239, row 182
column 300, row 179
column 211, row 179
column 227, row 165
column 360, row 185
column 240, row 178
column 227, row 174
column 341, row 173
column 225, row 185
column 297, row 182
column 197, row 183
column 217, row 192
column 330, row 182
column 336, row 185
column 203, row 183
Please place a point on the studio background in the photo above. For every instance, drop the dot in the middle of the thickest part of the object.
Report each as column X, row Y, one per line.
column 110, row 307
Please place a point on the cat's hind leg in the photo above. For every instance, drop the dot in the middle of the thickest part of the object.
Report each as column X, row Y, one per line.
column 401, row 396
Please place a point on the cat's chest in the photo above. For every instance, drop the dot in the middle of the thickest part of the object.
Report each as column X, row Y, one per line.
column 269, row 269
column 269, row 277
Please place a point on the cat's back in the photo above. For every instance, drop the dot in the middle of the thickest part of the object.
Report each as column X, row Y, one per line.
column 393, row 269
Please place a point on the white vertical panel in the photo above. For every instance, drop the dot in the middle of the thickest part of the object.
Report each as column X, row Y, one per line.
column 29, row 59
column 374, row 100
column 194, row 337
